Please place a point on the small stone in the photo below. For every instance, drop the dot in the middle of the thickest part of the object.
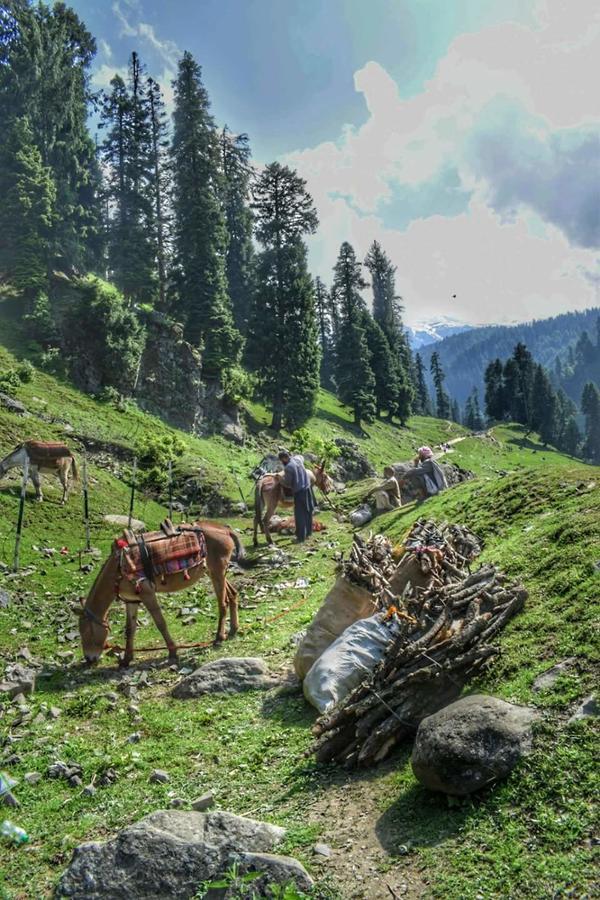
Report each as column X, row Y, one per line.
column 55, row 712
column 588, row 708
column 90, row 790
column 159, row 776
column 134, row 738
column 177, row 802
column 32, row 777
column 204, row 802
column 112, row 697
column 75, row 781
column 322, row 850
column 19, row 700
column 66, row 656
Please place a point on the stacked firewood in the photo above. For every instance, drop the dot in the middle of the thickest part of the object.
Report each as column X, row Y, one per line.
column 370, row 564
column 445, row 638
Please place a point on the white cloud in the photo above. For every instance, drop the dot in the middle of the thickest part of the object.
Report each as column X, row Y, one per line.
column 531, row 93
column 103, row 75
column 167, row 50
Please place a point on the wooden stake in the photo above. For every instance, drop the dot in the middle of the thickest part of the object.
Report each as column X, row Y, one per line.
column 86, row 508
column 171, row 489
column 21, row 514
column 133, row 476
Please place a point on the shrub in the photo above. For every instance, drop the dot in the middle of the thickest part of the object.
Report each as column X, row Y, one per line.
column 25, row 372
column 238, row 385
column 153, row 455
column 9, row 381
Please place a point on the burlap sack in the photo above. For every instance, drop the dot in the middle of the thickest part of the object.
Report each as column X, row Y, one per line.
column 345, row 604
column 409, row 570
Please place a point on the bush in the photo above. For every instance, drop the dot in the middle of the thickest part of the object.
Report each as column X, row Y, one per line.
column 153, row 455
column 238, row 385
column 9, row 381
column 40, row 322
column 25, row 372
column 305, row 441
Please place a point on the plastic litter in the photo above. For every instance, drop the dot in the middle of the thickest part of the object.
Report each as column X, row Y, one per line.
column 13, row 833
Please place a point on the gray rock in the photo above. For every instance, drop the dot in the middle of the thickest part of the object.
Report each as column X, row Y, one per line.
column 32, row 777
column 5, row 599
column 122, row 521
column 470, row 743
column 233, row 432
column 11, row 404
column 226, row 676
column 204, row 802
column 170, row 853
column 19, row 679
column 548, row 678
column 322, row 850
column 274, row 870
column 159, row 776
column 588, row 709
column 351, row 464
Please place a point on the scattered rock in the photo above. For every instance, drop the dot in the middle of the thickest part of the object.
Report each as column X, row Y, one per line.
column 5, row 599
column 55, row 712
column 233, row 432
column 548, row 678
column 19, row 679
column 123, row 522
column 351, row 464
column 90, row 790
column 134, row 738
column 226, row 676
column 586, row 710
column 71, row 773
column 176, row 802
column 204, row 802
column 170, row 853
column 12, row 405
column 32, row 777
column 470, row 743
column 322, row 850
column 159, row 776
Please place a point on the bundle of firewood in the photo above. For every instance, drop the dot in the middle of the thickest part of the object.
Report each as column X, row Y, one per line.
column 370, row 563
column 444, row 639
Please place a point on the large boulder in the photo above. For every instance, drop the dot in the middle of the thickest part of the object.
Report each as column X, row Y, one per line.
column 351, row 464
column 229, row 675
column 470, row 743
column 171, row 853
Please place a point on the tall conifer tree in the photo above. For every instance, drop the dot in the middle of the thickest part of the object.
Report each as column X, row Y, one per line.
column 282, row 343
column 354, row 375
column 442, row 402
column 199, row 234
column 423, row 405
column 590, row 407
column 235, row 187
column 159, row 182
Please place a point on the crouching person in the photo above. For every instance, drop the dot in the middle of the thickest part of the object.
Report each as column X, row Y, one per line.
column 387, row 495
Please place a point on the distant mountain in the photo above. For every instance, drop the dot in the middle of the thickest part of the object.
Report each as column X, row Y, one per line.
column 431, row 332
column 464, row 356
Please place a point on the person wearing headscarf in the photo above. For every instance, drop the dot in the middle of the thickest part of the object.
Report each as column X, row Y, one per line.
column 297, row 480
column 426, row 474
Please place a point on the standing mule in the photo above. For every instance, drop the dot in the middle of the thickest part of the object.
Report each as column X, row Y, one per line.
column 110, row 583
column 43, row 458
column 269, row 494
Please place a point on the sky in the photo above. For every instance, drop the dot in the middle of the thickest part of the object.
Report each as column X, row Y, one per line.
column 463, row 135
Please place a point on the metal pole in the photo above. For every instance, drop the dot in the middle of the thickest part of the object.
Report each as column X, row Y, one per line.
column 86, row 507
column 21, row 513
column 170, row 489
column 133, row 475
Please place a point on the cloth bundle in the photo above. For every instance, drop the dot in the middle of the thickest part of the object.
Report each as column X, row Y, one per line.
column 168, row 555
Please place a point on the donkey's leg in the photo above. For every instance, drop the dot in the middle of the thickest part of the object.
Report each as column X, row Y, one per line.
column 151, row 603
column 131, row 610
column 232, row 599
column 220, row 585
column 63, row 476
column 37, row 483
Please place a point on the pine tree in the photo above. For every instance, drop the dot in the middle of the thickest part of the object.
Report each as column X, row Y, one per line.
column 384, row 367
column 354, row 375
column 455, row 411
column 159, row 181
column 282, row 335
column 423, row 405
column 27, row 210
column 44, row 76
column 127, row 155
column 494, row 391
column 387, row 312
column 199, row 234
column 324, row 320
column 571, row 437
column 442, row 400
column 525, row 374
column 544, row 411
column 235, row 190
column 590, row 407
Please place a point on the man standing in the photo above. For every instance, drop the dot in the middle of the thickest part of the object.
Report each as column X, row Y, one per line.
column 297, row 479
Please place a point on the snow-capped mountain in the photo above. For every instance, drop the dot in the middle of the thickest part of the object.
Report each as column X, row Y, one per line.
column 430, row 332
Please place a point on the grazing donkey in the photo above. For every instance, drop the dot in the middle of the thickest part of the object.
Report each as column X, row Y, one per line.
column 43, row 457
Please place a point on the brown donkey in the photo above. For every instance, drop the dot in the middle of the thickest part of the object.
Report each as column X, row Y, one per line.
column 269, row 494
column 110, row 583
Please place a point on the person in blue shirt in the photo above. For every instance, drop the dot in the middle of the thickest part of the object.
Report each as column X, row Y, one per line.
column 298, row 480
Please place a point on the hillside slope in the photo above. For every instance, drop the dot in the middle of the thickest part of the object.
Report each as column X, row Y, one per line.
column 465, row 356
column 539, row 514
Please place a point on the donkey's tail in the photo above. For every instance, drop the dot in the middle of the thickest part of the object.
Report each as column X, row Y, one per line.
column 239, row 550
column 74, row 468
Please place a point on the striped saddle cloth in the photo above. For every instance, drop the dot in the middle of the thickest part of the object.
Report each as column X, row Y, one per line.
column 160, row 553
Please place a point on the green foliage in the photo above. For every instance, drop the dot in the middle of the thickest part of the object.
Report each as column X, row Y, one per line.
column 238, row 385
column 9, row 381
column 303, row 440
column 25, row 372
column 200, row 296
column 27, row 209
column 442, row 400
column 40, row 322
column 103, row 338
column 235, row 192
column 154, row 452
column 282, row 337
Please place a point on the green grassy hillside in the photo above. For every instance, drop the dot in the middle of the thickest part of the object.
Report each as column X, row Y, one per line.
column 539, row 515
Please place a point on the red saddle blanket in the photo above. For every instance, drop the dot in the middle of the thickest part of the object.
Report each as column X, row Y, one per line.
column 44, row 451
column 166, row 555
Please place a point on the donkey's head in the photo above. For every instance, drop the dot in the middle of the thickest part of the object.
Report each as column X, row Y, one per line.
column 93, row 632
column 323, row 481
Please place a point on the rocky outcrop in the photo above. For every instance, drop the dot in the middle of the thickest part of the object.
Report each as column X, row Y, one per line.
column 172, row 853
column 351, row 464
column 471, row 743
column 409, row 490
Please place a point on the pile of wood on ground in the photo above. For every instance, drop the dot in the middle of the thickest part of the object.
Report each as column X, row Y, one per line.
column 447, row 623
